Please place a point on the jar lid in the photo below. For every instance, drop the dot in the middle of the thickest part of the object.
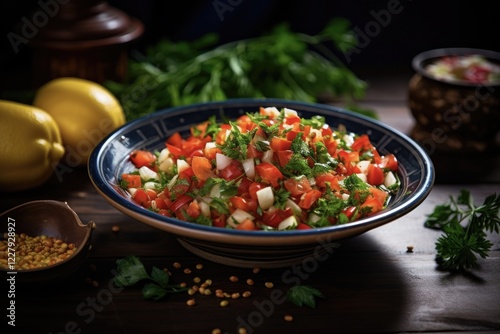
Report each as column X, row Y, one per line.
column 85, row 24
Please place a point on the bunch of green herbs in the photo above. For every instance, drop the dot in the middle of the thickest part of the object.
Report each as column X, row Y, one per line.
column 282, row 64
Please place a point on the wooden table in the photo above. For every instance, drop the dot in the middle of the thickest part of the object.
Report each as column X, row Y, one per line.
column 371, row 283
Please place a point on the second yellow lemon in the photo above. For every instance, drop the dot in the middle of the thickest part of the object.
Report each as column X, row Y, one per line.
column 85, row 111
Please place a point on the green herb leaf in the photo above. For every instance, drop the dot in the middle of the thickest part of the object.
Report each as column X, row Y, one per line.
column 130, row 271
column 160, row 276
column 464, row 225
column 153, row 291
column 303, row 295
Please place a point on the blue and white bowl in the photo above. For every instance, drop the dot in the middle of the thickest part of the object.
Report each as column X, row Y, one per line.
column 265, row 249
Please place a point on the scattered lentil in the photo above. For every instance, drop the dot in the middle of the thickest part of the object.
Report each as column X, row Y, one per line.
column 246, row 294
column 288, row 317
column 235, row 295
column 36, row 252
column 187, row 271
column 250, row 281
column 269, row 285
column 177, row 265
column 233, row 279
column 191, row 302
column 242, row 330
column 95, row 284
column 216, row 331
column 115, row 228
column 256, row 270
column 199, row 266
column 224, row 303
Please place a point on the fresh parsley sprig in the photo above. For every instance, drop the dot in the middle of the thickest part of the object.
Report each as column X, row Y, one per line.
column 464, row 225
column 303, row 295
column 130, row 271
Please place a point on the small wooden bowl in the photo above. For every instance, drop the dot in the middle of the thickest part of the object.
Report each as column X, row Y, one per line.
column 53, row 219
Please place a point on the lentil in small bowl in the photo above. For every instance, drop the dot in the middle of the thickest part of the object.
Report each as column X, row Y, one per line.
column 42, row 241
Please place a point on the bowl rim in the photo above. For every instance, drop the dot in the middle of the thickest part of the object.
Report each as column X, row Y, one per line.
column 265, row 238
column 425, row 56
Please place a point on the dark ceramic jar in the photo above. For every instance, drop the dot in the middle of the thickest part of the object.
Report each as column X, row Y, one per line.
column 88, row 39
column 454, row 116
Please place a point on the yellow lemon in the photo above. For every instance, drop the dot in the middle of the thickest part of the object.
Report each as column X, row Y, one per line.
column 30, row 146
column 84, row 110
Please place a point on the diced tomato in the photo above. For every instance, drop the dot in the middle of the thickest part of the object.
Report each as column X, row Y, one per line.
column 389, row 162
column 151, row 193
column 199, row 130
column 379, row 194
column 140, row 197
column 244, row 186
column 254, row 187
column 284, row 157
column 292, row 119
column 269, row 173
column 219, row 221
column 323, row 179
column 175, row 140
column 183, row 199
column 248, row 205
column 280, row 144
column 133, row 180
column 176, row 151
column 290, row 135
column 232, row 171
column 349, row 159
column 326, row 130
column 273, row 218
column 253, row 152
column 141, row 158
column 192, row 144
column 202, row 168
column 362, row 143
column 247, row 225
column 375, row 176
column 331, row 145
column 193, row 209
column 303, row 226
column 350, row 212
column 197, row 153
column 297, row 187
column 160, row 203
column 211, row 153
column 373, row 204
column 309, row 198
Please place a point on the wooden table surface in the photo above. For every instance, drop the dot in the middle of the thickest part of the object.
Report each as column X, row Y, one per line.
column 370, row 283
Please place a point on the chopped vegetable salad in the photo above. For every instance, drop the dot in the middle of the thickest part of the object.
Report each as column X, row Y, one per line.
column 268, row 170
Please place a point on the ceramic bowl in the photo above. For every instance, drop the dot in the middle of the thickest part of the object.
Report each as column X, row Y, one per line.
column 452, row 116
column 53, row 219
column 255, row 248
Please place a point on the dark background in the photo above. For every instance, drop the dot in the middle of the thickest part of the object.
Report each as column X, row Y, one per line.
column 420, row 26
